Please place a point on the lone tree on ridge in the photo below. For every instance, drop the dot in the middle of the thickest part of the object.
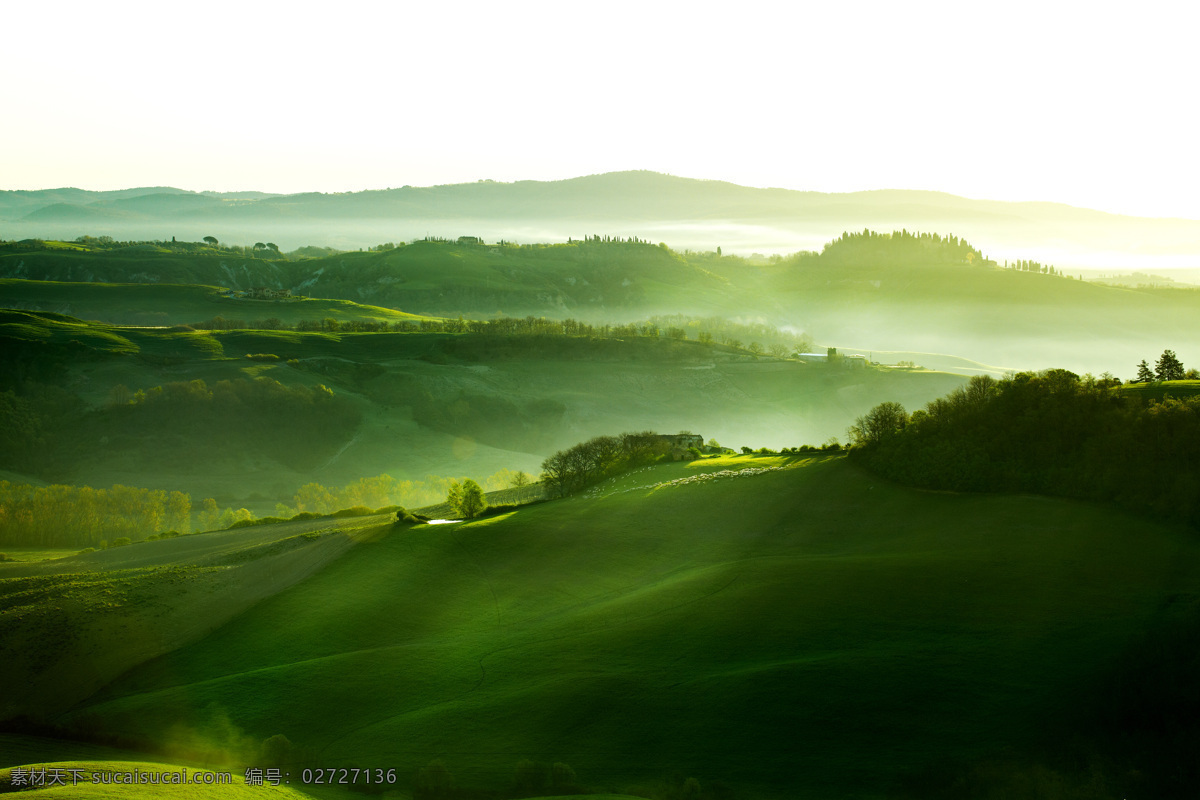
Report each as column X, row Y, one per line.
column 1169, row 368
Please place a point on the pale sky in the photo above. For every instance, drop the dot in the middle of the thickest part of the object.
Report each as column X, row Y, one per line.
column 1089, row 104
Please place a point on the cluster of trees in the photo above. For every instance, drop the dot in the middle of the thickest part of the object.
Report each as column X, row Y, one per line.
column 756, row 337
column 571, row 470
column 1026, row 265
column 899, row 247
column 466, row 499
column 1168, row 368
column 80, row 516
column 383, row 491
column 219, row 323
column 60, row 516
column 208, row 245
column 768, row 338
column 1051, row 432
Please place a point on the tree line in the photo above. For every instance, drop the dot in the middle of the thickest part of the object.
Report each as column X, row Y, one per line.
column 1051, row 432
column 898, row 247
column 759, row 338
column 574, row 469
column 1167, row 368
column 382, row 491
column 80, row 516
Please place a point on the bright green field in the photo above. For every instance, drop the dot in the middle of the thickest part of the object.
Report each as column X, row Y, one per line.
column 88, row 785
column 37, row 553
column 811, row 632
column 1177, row 389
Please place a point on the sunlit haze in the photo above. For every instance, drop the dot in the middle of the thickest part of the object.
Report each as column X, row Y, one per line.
column 1014, row 101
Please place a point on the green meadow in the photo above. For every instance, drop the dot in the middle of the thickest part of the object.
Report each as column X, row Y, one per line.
column 409, row 404
column 803, row 631
column 881, row 291
column 783, row 624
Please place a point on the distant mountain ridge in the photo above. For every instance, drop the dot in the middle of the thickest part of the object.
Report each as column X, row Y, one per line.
column 684, row 212
column 619, row 195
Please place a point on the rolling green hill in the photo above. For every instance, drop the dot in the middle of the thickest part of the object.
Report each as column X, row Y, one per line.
column 882, row 292
column 414, row 403
column 807, row 631
column 115, row 779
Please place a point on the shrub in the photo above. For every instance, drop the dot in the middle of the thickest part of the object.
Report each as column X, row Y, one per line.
column 693, row 453
column 306, row 515
column 87, row 550
column 747, row 450
column 403, row 516
column 356, row 511
column 503, row 508
column 246, row 523
column 121, row 541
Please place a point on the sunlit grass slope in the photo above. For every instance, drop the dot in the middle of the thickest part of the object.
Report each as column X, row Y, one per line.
column 1161, row 389
column 89, row 786
column 71, row 624
column 805, row 632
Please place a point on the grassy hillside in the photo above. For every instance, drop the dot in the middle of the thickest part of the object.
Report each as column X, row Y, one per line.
column 176, row 781
column 1159, row 390
column 801, row 632
column 617, row 278
column 70, row 625
column 879, row 296
column 446, row 404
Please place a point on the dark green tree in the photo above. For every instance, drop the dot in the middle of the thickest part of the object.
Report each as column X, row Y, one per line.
column 1168, row 368
column 211, row 240
column 471, row 502
column 879, row 424
column 1144, row 373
